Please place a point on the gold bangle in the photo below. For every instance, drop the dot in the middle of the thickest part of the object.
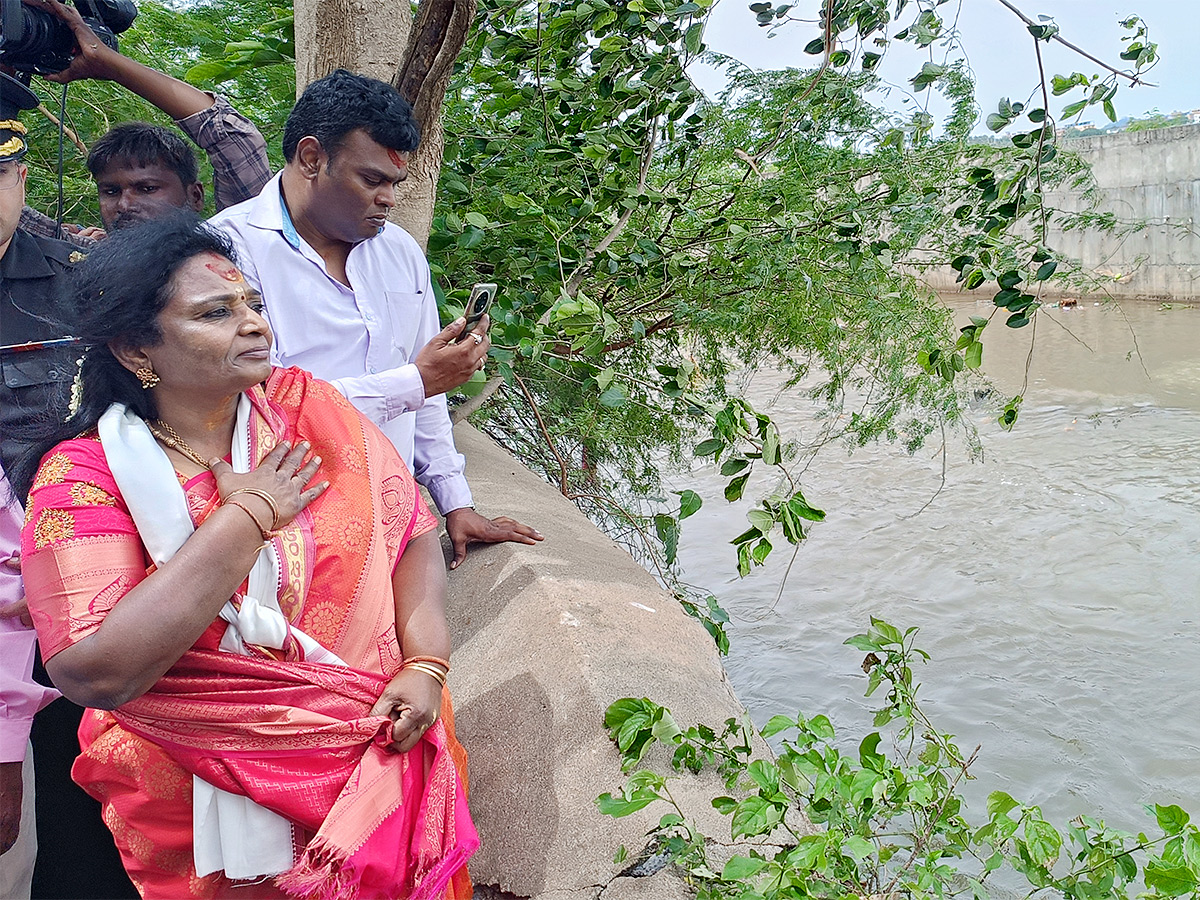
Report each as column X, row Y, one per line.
column 266, row 535
column 436, row 660
column 262, row 495
column 432, row 672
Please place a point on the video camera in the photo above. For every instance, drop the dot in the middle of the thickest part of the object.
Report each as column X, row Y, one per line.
column 32, row 40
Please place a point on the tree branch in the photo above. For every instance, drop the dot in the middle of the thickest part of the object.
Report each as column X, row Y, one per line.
column 71, row 135
column 1133, row 79
column 471, row 404
column 438, row 35
column 563, row 482
column 614, row 232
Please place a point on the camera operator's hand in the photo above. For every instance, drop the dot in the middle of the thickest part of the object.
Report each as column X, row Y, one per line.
column 444, row 364
column 95, row 59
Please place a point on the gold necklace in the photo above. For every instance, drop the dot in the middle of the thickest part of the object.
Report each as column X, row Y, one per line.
column 175, row 442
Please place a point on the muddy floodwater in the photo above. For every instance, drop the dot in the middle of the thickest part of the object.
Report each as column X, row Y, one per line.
column 1056, row 583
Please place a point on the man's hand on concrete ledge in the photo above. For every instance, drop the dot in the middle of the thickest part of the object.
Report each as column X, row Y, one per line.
column 466, row 526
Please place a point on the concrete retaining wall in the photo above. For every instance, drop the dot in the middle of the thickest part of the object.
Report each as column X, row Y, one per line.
column 546, row 638
column 1143, row 175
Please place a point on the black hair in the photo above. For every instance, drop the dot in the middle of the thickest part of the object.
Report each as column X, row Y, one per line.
column 341, row 102
column 143, row 144
column 115, row 297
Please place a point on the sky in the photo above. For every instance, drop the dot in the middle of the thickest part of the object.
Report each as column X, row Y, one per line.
column 998, row 48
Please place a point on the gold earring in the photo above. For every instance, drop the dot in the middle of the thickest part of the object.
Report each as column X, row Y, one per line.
column 147, row 377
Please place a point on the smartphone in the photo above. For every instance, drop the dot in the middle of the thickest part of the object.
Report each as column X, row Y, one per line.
column 481, row 299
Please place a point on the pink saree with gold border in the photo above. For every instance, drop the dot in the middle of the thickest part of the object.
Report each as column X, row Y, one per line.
column 293, row 736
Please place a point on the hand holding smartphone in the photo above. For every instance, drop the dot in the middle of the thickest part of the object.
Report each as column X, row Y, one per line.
column 477, row 306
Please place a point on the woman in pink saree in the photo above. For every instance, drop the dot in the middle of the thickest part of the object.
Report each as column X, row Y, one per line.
column 234, row 571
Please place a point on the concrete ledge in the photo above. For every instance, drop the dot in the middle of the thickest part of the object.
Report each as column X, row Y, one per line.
column 546, row 638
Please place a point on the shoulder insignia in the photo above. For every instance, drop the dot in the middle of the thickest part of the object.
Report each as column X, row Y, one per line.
column 76, row 257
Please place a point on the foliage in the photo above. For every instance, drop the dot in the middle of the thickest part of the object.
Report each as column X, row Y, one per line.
column 889, row 819
column 1155, row 120
column 651, row 242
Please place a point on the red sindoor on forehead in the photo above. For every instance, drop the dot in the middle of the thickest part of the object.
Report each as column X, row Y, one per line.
column 399, row 161
column 225, row 269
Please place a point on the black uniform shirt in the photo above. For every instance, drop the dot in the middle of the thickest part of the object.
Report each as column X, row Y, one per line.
column 36, row 383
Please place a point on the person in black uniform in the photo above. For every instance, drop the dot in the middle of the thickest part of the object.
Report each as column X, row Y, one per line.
column 76, row 855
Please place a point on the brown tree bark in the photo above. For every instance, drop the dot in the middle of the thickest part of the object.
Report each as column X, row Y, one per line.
column 381, row 39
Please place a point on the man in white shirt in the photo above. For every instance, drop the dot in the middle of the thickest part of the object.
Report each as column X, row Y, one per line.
column 349, row 294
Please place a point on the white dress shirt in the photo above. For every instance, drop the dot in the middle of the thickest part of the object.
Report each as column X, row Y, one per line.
column 361, row 338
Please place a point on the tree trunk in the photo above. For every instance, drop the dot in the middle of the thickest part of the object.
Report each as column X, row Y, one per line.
column 380, row 39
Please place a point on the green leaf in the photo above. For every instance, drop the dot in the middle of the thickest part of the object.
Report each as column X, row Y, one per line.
column 799, row 507
column 1006, row 296
column 668, row 532
column 821, row 727
column 1000, row 803
column 618, row 807
column 887, row 631
column 693, row 36
column 733, row 465
column 762, row 520
column 920, row 792
column 615, row 396
column 974, row 355
column 1171, row 819
column 770, row 451
column 863, row 642
column 761, row 551
column 479, row 220
column 1046, row 270
column 733, row 490
column 755, row 816
column 710, row 447
column 1073, row 108
column 777, row 724
column 1171, row 881
column 689, row 503
column 1042, row 841
column 995, row 121
column 868, row 755
column 724, row 805
column 739, row 868
column 858, row 847
column 213, row 71
column 764, row 774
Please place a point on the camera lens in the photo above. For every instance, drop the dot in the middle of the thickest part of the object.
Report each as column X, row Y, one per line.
column 27, row 35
